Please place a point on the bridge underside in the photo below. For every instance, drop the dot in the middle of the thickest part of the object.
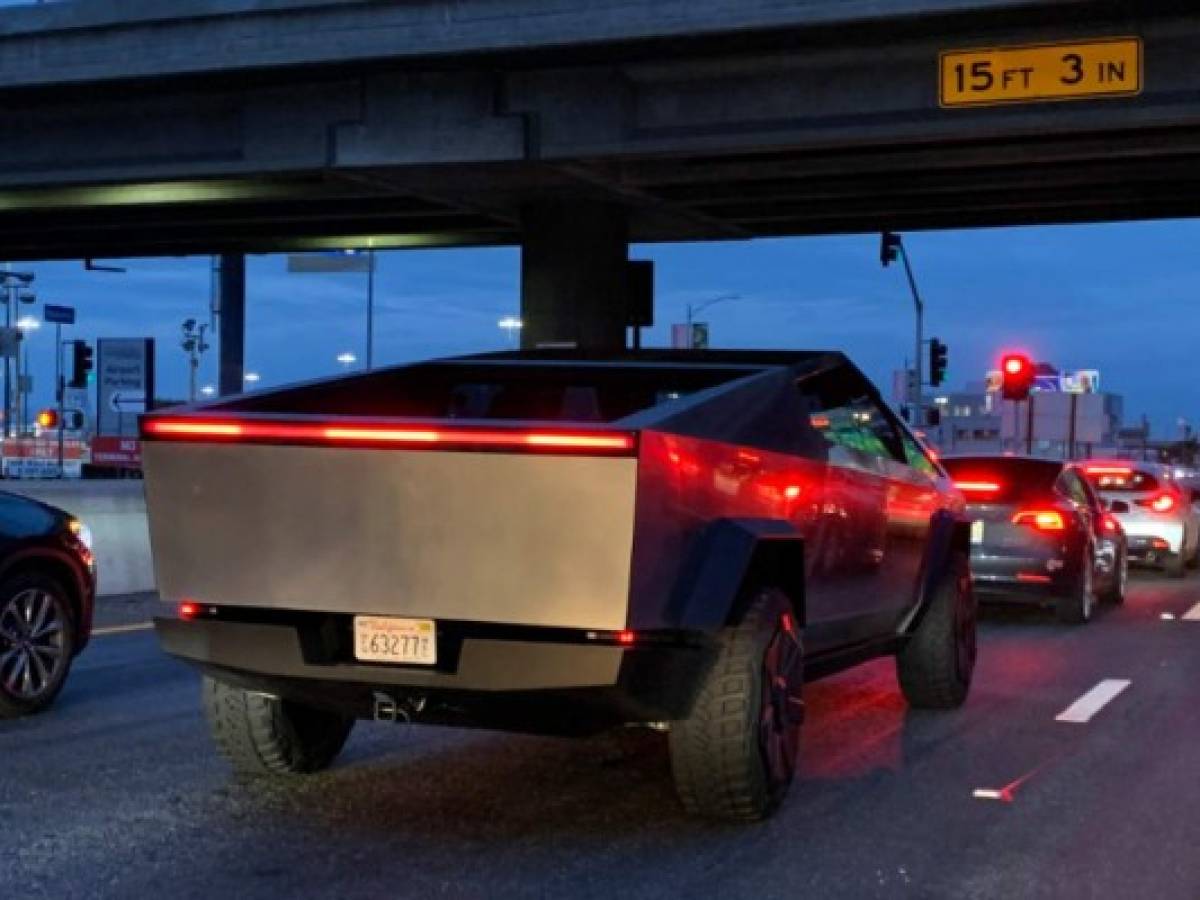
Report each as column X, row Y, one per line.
column 813, row 128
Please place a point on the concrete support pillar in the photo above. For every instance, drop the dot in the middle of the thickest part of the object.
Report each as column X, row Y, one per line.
column 231, row 344
column 573, row 274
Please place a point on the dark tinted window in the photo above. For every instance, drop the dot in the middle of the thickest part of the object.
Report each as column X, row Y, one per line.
column 842, row 410
column 988, row 479
column 1120, row 479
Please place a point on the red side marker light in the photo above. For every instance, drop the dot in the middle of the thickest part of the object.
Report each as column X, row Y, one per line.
column 189, row 610
column 626, row 638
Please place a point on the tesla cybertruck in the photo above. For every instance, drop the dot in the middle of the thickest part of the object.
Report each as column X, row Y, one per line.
column 558, row 543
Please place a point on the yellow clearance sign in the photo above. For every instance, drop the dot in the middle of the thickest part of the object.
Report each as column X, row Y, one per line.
column 1107, row 67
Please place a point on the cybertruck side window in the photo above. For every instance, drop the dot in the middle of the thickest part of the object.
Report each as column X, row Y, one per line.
column 856, row 430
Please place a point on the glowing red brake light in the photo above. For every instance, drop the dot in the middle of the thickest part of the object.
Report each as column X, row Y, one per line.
column 1109, row 524
column 352, row 435
column 189, row 610
column 1123, row 471
column 1041, row 519
column 978, row 487
column 1163, row 503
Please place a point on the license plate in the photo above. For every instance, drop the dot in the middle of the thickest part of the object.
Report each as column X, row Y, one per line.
column 389, row 640
column 977, row 532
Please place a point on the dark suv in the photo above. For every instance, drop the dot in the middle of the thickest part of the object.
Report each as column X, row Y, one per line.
column 558, row 543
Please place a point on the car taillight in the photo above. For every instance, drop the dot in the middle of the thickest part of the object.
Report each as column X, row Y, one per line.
column 376, row 435
column 1041, row 519
column 1162, row 503
column 979, row 490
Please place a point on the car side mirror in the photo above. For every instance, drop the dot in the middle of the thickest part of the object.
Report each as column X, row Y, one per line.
column 1118, row 506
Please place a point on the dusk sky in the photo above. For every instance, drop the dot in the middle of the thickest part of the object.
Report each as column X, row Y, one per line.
column 1120, row 298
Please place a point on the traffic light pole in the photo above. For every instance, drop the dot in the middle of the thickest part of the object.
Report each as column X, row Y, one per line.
column 918, row 379
column 58, row 386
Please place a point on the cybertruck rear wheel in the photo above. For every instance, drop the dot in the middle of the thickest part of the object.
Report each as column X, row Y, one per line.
column 264, row 735
column 936, row 665
column 735, row 756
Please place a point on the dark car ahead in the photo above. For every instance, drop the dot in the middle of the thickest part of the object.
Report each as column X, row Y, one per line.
column 1040, row 534
column 47, row 588
column 557, row 543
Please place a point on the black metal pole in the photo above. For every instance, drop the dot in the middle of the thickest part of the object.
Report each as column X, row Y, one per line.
column 1029, row 426
column 1071, row 438
column 232, row 332
column 58, row 386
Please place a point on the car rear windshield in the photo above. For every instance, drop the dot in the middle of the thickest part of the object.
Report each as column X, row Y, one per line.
column 1001, row 479
column 1120, row 479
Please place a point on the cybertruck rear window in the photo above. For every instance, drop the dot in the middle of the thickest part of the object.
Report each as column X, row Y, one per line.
column 549, row 393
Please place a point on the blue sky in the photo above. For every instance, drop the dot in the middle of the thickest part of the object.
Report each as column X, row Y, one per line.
column 1119, row 297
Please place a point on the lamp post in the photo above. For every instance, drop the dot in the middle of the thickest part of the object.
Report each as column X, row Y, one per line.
column 347, row 359
column 252, row 378
column 26, row 324
column 892, row 247
column 693, row 308
column 194, row 345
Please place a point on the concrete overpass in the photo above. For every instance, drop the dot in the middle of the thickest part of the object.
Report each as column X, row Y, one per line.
column 570, row 127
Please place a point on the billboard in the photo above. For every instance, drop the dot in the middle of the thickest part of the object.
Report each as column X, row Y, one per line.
column 124, row 384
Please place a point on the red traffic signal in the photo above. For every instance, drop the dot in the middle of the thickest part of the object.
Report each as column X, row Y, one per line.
column 1016, row 372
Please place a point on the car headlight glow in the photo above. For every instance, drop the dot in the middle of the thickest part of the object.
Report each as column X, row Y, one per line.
column 82, row 532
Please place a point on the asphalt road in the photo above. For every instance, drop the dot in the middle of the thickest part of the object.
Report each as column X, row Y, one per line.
column 117, row 792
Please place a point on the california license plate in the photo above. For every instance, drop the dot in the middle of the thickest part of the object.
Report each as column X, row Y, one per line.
column 390, row 640
column 977, row 532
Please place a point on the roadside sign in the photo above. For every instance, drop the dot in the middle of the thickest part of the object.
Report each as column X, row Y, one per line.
column 124, row 384
column 38, row 458
column 327, row 261
column 1075, row 70
column 117, row 452
column 58, row 315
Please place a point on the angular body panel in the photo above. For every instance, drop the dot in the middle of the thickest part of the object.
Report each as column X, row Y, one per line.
column 482, row 537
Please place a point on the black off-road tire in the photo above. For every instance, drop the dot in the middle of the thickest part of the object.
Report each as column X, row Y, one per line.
column 937, row 662
column 1077, row 607
column 19, row 638
column 264, row 735
column 734, row 757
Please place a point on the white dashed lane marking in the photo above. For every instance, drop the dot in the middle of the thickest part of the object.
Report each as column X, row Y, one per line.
column 123, row 629
column 1083, row 709
column 1193, row 614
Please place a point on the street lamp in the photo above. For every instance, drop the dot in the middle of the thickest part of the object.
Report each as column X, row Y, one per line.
column 252, row 378
column 693, row 308
column 347, row 359
column 513, row 325
column 208, row 390
column 891, row 248
column 27, row 324
column 194, row 345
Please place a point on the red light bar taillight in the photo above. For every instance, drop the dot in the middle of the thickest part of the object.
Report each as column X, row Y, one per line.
column 218, row 431
column 1041, row 519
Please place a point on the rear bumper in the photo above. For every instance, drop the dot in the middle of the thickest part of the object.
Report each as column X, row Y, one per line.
column 537, row 680
column 1146, row 538
column 1021, row 577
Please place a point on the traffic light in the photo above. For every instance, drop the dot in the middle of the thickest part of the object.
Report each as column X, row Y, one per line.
column 889, row 248
column 81, row 364
column 47, row 419
column 938, row 354
column 1016, row 374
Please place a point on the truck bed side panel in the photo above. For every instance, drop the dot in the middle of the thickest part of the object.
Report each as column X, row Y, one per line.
column 488, row 537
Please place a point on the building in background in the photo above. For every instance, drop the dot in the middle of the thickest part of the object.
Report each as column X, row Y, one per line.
column 1071, row 418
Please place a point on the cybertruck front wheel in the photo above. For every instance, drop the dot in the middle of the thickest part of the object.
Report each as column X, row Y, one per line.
column 264, row 735
column 936, row 664
column 734, row 757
